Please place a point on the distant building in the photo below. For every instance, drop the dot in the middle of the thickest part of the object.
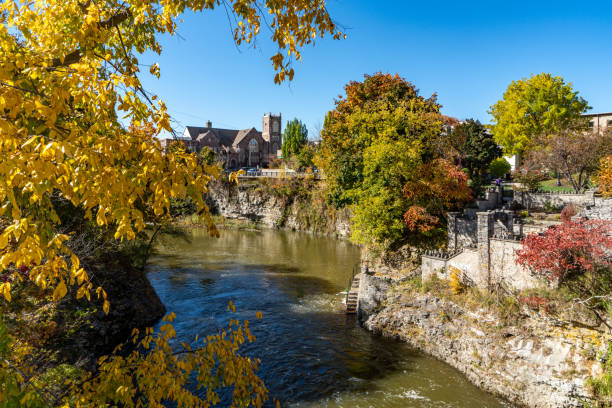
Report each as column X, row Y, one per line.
column 236, row 148
column 600, row 122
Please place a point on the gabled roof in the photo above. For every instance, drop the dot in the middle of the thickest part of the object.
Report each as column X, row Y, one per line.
column 206, row 133
column 224, row 136
column 242, row 134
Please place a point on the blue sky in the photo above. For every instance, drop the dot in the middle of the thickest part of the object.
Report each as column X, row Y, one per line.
column 466, row 52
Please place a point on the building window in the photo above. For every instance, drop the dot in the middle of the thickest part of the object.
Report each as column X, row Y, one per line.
column 275, row 127
column 253, row 146
column 591, row 124
column 609, row 124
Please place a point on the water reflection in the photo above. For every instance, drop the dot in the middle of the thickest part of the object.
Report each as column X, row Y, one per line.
column 312, row 354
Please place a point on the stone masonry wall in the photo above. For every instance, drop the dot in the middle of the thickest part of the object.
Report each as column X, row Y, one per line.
column 504, row 269
column 551, row 199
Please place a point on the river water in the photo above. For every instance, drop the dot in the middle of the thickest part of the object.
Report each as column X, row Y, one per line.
column 312, row 354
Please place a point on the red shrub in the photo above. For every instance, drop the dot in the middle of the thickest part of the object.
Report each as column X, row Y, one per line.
column 568, row 212
column 568, row 250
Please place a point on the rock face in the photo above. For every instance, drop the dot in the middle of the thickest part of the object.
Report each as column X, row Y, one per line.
column 252, row 202
column 134, row 304
column 531, row 363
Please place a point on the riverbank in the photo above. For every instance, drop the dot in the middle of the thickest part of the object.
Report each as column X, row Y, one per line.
column 63, row 340
column 289, row 204
column 527, row 357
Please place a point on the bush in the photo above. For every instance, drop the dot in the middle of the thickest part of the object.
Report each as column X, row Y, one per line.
column 499, row 167
column 575, row 255
column 530, row 178
column 568, row 212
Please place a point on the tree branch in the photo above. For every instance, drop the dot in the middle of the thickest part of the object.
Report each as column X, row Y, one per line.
column 76, row 55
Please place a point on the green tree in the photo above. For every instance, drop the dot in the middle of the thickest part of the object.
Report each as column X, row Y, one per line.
column 347, row 132
column 295, row 137
column 479, row 148
column 534, row 107
column 499, row 167
column 305, row 157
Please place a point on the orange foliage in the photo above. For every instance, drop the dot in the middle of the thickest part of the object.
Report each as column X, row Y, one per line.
column 439, row 185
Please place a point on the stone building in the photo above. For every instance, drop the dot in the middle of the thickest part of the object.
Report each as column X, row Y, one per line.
column 236, row 148
column 600, row 122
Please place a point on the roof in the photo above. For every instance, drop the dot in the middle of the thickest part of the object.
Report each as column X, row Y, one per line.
column 598, row 114
column 242, row 134
column 225, row 137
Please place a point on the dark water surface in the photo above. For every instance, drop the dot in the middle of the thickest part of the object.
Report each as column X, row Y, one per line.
column 312, row 354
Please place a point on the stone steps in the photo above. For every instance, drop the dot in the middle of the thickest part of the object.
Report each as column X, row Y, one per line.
column 353, row 296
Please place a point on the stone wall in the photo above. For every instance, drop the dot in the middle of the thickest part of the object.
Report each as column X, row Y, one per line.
column 598, row 208
column 491, row 261
column 461, row 231
column 551, row 199
column 432, row 265
column 504, row 269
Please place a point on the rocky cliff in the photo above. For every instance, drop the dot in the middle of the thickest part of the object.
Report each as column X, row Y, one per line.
column 292, row 204
column 533, row 361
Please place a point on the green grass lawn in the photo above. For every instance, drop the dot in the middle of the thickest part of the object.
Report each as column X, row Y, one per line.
column 551, row 185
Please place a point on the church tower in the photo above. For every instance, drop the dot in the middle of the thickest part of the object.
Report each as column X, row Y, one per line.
column 271, row 132
column 271, row 128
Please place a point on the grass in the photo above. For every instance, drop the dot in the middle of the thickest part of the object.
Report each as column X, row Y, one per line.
column 551, row 185
column 601, row 386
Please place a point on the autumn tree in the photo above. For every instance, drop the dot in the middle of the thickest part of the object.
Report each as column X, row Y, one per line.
column 295, row 137
column 604, row 176
column 574, row 152
column 538, row 106
column 379, row 145
column 69, row 79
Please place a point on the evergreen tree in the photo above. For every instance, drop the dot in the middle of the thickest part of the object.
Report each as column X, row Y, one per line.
column 479, row 148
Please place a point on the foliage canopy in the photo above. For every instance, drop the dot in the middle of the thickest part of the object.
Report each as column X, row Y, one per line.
column 381, row 154
column 499, row 167
column 295, row 137
column 68, row 80
column 537, row 106
column 478, row 149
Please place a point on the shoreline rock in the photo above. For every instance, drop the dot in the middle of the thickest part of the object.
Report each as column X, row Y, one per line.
column 532, row 363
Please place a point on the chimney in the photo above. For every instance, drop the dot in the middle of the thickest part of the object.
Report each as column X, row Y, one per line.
column 208, row 124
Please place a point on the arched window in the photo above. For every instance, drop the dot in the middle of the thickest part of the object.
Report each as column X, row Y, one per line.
column 275, row 127
column 253, row 146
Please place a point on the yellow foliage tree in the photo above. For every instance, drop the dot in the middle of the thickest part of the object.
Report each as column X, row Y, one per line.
column 68, row 71
column 604, row 176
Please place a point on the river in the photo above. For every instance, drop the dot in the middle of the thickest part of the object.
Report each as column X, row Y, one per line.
column 312, row 354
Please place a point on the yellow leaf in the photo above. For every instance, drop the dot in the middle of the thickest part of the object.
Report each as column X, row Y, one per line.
column 60, row 291
column 6, row 291
column 106, row 306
